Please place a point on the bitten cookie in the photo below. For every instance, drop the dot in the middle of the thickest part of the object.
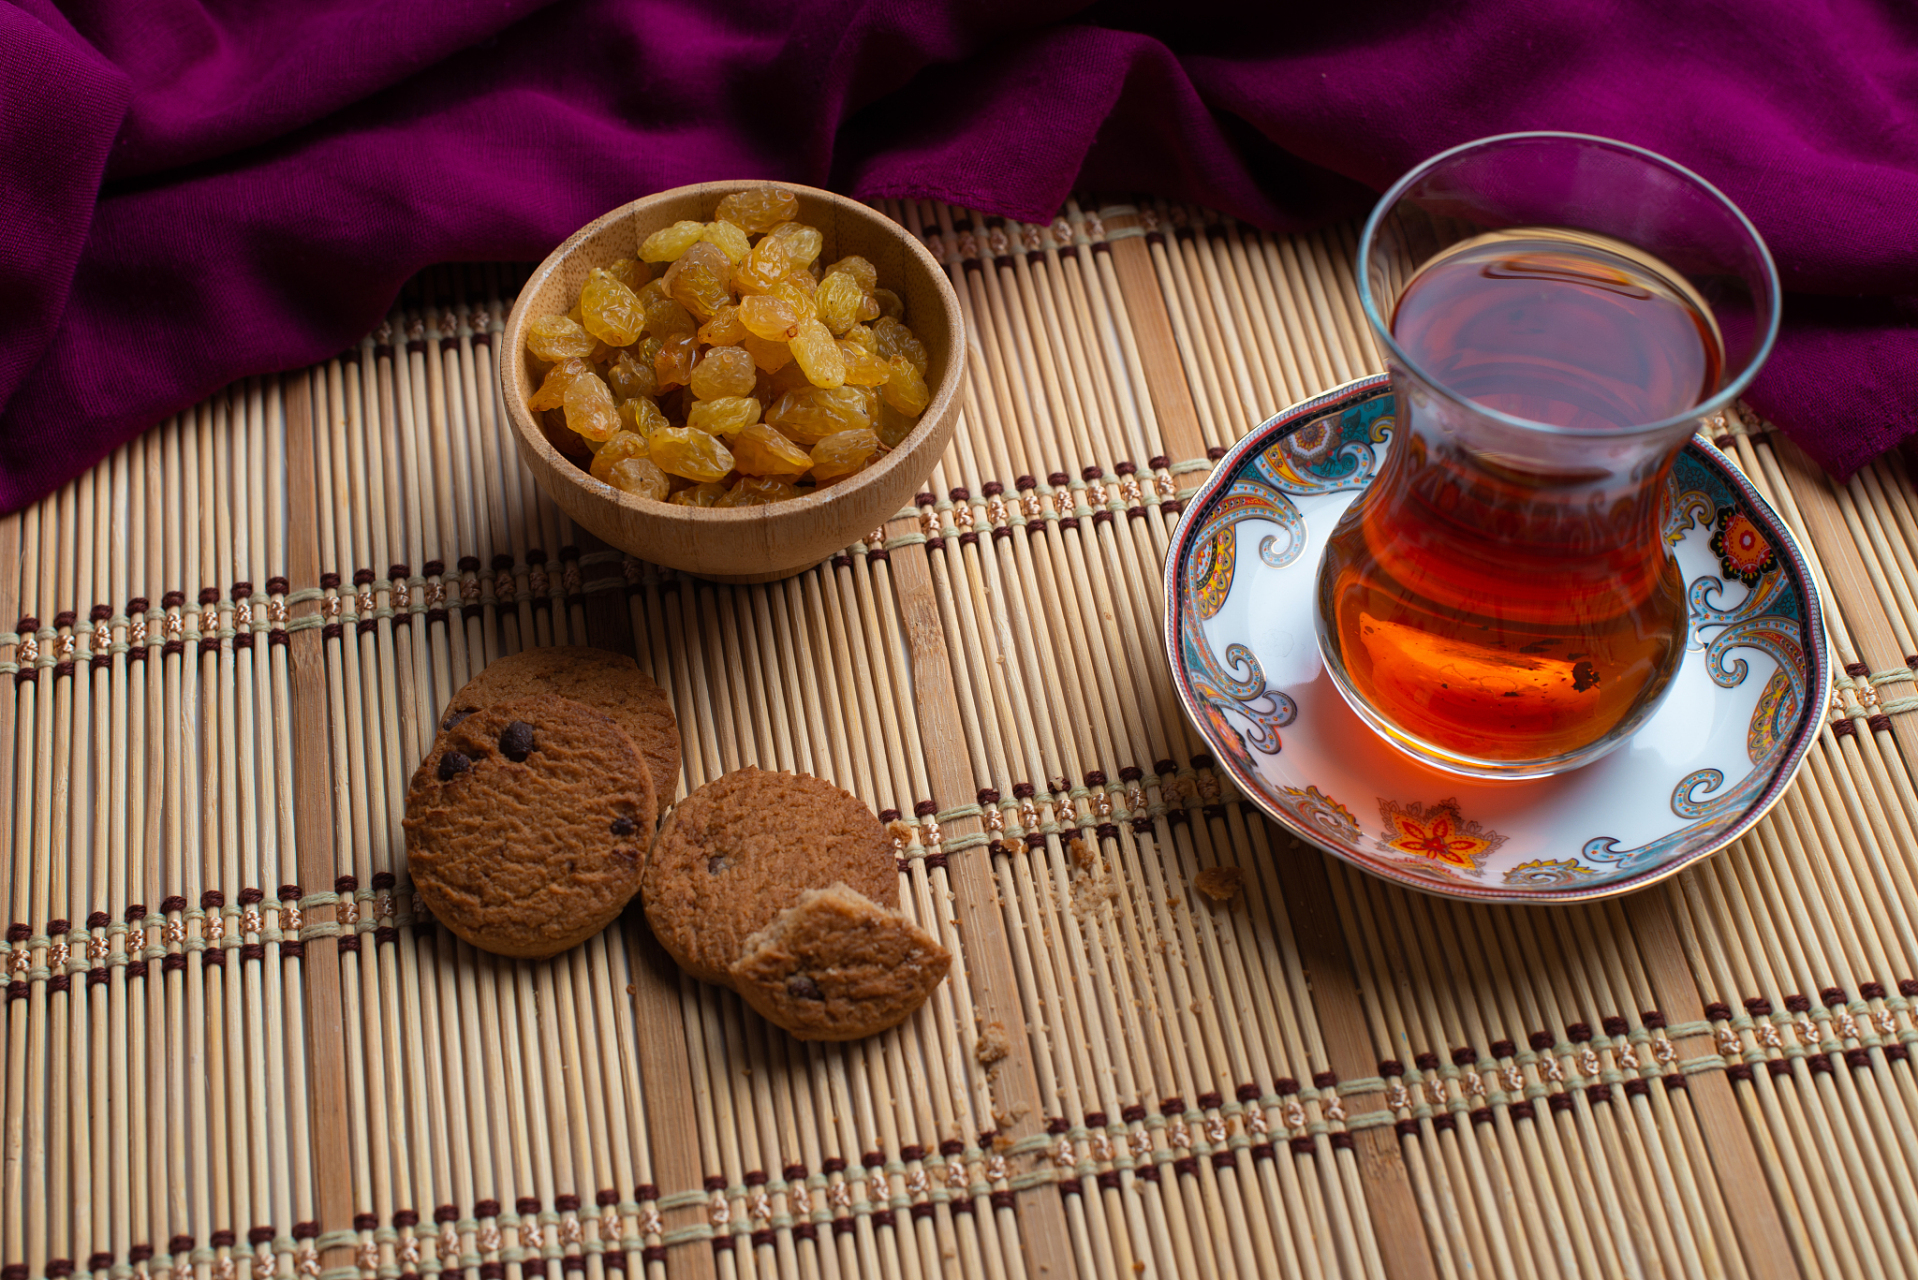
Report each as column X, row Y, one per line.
column 834, row 966
column 527, row 826
column 609, row 682
column 738, row 851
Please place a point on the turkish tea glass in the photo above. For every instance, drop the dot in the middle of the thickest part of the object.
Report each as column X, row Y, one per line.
column 1558, row 313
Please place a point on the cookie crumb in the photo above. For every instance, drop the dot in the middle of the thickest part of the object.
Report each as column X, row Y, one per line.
column 1221, row 884
column 993, row 1044
column 1081, row 853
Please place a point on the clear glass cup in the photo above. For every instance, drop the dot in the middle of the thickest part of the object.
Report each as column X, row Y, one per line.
column 1501, row 601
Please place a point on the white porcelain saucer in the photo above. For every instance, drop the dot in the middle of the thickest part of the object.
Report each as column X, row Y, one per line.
column 1743, row 710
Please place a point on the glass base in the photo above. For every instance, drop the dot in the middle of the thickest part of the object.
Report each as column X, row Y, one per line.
column 1455, row 762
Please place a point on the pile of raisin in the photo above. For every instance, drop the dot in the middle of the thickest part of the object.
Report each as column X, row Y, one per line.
column 725, row 367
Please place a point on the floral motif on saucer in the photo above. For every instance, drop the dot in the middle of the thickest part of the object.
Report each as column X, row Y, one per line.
column 1436, row 832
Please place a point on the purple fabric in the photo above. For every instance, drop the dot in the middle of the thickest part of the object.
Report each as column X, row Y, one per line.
column 197, row 190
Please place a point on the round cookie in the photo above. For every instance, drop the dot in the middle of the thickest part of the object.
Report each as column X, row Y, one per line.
column 738, row 851
column 609, row 682
column 527, row 826
column 834, row 966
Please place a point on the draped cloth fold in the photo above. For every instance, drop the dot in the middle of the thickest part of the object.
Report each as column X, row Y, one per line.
column 194, row 191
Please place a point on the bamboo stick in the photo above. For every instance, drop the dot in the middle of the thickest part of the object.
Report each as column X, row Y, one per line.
column 342, row 1101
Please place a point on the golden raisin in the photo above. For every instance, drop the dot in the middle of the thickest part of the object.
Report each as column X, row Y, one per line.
column 554, row 338
column 864, row 366
column 729, row 238
column 674, row 363
column 790, row 378
column 863, row 272
column 640, row 477
column 724, row 415
column 664, row 316
column 623, row 445
column 631, row 372
column 610, row 311
column 552, row 391
column 723, row 371
column 763, row 268
column 843, row 453
column 768, row 317
column 669, row 242
column 700, row 495
column 905, row 390
column 894, row 339
column 694, row 454
column 697, row 280
column 589, row 408
column 761, row 451
column 838, row 301
column 724, row 329
column 757, row 491
column 810, row 414
column 816, row 352
column 640, row 414
column 796, row 295
column 861, row 334
column 803, row 243
column 769, row 356
column 892, row 425
column 868, row 308
column 758, row 209
column 630, row 272
column 890, row 303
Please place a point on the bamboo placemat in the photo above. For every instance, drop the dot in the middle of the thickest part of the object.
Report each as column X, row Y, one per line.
column 233, row 1047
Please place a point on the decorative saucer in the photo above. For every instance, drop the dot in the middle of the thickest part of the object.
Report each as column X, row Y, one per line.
column 1743, row 710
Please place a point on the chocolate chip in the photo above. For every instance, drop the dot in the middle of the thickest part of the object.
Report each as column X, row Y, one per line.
column 623, row 826
column 717, row 863
column 454, row 717
column 516, row 740
column 801, row 987
column 452, row 765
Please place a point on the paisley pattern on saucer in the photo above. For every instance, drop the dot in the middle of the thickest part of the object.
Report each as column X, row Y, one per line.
column 1744, row 708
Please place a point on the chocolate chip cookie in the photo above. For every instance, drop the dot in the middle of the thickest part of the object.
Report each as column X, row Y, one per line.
column 610, row 682
column 741, row 849
column 836, row 966
column 527, row 826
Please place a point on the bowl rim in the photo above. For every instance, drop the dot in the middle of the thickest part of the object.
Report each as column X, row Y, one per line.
column 526, row 425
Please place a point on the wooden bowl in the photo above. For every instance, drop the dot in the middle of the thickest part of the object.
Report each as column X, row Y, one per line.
column 779, row 539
